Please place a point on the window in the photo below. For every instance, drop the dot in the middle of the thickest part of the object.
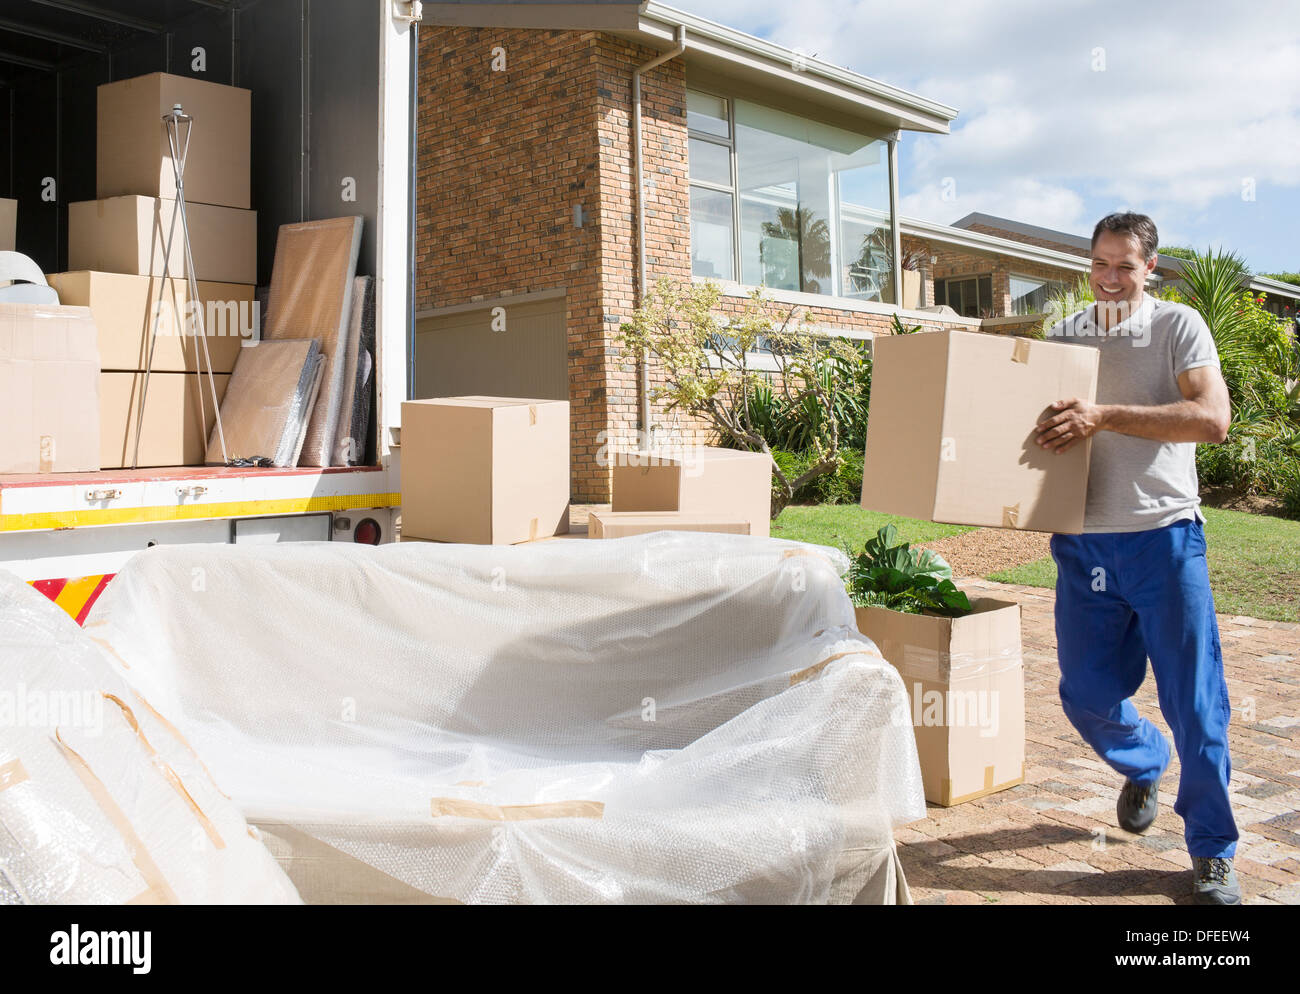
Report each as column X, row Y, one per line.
column 969, row 296
column 787, row 203
column 1030, row 295
column 713, row 218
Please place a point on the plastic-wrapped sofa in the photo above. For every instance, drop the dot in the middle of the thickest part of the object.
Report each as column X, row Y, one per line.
column 668, row 718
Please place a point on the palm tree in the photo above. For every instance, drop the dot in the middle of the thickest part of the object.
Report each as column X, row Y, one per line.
column 812, row 238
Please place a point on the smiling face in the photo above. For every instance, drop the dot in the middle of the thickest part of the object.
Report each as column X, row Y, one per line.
column 1118, row 270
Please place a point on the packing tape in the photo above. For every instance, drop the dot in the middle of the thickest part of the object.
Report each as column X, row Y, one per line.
column 158, row 892
column 1021, row 351
column 170, row 775
column 1011, row 516
column 12, row 774
column 948, row 800
column 924, row 663
column 532, row 529
column 532, row 414
column 175, row 733
column 103, row 643
column 47, row 454
column 816, row 668
column 455, row 807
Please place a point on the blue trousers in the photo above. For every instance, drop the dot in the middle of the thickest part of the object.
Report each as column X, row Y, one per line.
column 1124, row 597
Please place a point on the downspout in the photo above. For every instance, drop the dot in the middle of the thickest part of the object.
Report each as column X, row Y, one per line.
column 640, row 213
column 412, row 173
column 895, row 239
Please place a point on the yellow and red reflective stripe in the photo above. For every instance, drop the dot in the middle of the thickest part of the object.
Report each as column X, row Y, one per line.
column 76, row 595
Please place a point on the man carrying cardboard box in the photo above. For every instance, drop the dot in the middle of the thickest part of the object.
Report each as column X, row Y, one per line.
column 1134, row 585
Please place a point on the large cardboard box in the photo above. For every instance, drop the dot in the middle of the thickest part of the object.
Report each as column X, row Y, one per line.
column 129, row 235
column 174, row 432
column 966, row 684
column 133, row 155
column 484, row 470
column 49, row 389
column 124, row 308
column 8, row 225
column 951, row 430
column 699, row 480
column 620, row 524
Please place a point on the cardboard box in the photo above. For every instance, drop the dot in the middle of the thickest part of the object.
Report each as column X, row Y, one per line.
column 698, row 480
column 129, row 235
column 951, row 430
column 484, row 470
column 133, row 154
column 966, row 685
column 124, row 308
column 49, row 389
column 619, row 524
column 8, row 225
column 172, row 432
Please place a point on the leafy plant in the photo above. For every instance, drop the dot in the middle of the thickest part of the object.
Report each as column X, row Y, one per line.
column 890, row 574
column 813, row 401
column 900, row 329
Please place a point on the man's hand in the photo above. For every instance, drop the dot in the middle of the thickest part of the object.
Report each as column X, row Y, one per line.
column 1077, row 420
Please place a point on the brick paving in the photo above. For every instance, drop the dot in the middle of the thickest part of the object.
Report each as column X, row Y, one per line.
column 1054, row 838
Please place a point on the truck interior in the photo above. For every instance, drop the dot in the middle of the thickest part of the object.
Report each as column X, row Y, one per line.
column 313, row 70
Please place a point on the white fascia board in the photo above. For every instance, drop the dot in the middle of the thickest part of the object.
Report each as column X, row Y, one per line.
column 817, row 81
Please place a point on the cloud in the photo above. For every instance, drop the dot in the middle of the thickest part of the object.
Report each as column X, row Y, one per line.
column 1075, row 104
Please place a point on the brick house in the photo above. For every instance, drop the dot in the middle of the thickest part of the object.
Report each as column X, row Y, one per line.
column 1282, row 299
column 758, row 167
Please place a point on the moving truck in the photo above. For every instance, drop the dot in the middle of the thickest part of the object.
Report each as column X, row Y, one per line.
column 333, row 119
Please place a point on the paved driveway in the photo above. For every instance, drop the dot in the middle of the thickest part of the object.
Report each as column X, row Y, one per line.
column 1054, row 839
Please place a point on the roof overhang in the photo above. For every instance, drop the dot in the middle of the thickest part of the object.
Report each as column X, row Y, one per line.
column 1275, row 288
column 576, row 15
column 787, row 77
column 978, row 242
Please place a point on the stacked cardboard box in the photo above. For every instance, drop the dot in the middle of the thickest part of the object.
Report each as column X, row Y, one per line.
column 484, row 470
column 49, row 410
column 720, row 483
column 621, row 524
column 116, row 253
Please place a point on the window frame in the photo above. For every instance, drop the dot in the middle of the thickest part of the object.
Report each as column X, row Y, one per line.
column 733, row 191
column 728, row 143
column 961, row 278
column 1045, row 281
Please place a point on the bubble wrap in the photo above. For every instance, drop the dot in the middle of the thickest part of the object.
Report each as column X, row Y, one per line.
column 101, row 800
column 665, row 718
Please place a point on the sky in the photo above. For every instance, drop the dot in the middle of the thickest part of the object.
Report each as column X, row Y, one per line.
column 1069, row 109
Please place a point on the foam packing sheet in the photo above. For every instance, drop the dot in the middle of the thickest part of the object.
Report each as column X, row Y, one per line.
column 311, row 297
column 268, row 402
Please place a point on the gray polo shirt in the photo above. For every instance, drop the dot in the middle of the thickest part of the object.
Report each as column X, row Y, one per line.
column 1136, row 484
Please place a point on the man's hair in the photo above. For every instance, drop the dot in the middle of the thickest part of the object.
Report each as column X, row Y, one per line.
column 1139, row 226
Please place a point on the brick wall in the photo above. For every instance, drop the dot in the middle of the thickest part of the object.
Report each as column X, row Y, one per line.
column 954, row 261
column 503, row 159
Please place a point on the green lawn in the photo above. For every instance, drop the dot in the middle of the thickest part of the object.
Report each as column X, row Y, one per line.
column 839, row 525
column 1254, row 558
